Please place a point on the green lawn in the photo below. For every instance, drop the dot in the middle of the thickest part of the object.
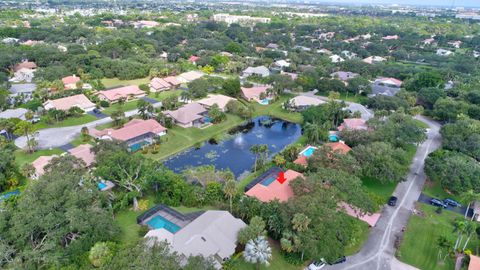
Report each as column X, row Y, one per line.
column 419, row 246
column 277, row 261
column 117, row 82
column 179, row 139
column 434, row 189
column 22, row 158
column 132, row 105
column 382, row 190
column 70, row 121
column 275, row 110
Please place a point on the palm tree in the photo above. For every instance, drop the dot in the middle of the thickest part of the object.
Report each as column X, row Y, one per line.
column 258, row 251
column 230, row 189
column 185, row 96
column 443, row 244
column 459, row 228
column 255, row 149
column 28, row 130
column 313, row 132
column 469, row 230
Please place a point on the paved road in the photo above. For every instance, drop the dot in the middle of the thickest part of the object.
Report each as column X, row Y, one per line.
column 56, row 137
column 378, row 252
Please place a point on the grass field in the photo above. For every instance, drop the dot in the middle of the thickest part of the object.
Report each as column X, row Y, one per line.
column 22, row 158
column 419, row 246
column 111, row 82
column 179, row 139
column 70, row 121
column 379, row 189
column 275, row 110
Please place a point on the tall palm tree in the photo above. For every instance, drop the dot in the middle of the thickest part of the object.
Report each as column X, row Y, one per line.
column 469, row 230
column 459, row 228
column 255, row 149
column 230, row 189
column 258, row 251
column 313, row 132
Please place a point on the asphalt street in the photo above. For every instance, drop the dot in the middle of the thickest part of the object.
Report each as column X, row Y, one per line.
column 378, row 253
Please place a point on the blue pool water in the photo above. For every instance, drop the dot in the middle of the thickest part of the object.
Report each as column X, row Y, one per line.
column 309, row 152
column 207, row 119
column 264, row 101
column 159, row 222
column 101, row 185
column 333, row 138
column 268, row 181
column 7, row 195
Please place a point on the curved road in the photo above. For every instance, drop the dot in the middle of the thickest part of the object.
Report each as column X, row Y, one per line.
column 378, row 253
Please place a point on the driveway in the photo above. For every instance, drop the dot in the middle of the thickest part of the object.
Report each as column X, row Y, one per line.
column 150, row 100
column 55, row 137
column 424, row 198
column 99, row 115
column 378, row 251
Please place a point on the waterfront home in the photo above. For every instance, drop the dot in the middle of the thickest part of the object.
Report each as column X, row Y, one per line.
column 64, row 104
column 336, row 147
column 189, row 115
column 254, row 93
column 260, row 71
column 353, row 124
column 273, row 185
column 83, row 152
column 220, row 100
column 39, row 165
column 127, row 93
column 135, row 133
column 300, row 103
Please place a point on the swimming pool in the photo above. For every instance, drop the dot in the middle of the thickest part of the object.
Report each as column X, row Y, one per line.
column 159, row 222
column 101, row 185
column 308, row 151
column 333, row 137
column 268, row 181
column 265, row 101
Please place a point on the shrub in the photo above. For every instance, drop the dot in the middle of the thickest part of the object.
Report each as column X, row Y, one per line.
column 293, row 258
column 143, row 230
column 104, row 104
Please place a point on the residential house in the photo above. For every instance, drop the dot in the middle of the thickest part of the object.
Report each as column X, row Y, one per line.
column 336, row 147
column 220, row 100
column 281, row 64
column 126, row 92
column 443, row 52
column 189, row 76
column 25, row 64
column 83, row 152
column 32, row 42
column 273, row 185
column 336, row 58
column 348, row 54
column 272, row 46
column 23, row 75
column 393, row 37
column 374, row 59
column 261, row 71
column 254, row 93
column 14, row 113
column 135, row 133
column 173, row 81
column 476, row 54
column 428, row 41
column 343, row 75
column 353, row 124
column 64, row 104
column 292, row 75
column 193, row 59
column 324, row 51
column 456, row 44
column 386, row 86
column 300, row 103
column 210, row 234
column 158, row 85
column 39, row 165
column 189, row 115
column 70, row 82
column 21, row 92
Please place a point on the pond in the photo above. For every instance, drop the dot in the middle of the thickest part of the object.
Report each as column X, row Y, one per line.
column 234, row 152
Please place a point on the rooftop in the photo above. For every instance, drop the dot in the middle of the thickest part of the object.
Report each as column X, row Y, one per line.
column 122, row 92
column 83, row 152
column 187, row 113
column 66, row 103
column 131, row 130
column 276, row 189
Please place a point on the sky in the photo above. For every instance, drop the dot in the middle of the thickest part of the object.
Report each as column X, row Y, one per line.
column 448, row 3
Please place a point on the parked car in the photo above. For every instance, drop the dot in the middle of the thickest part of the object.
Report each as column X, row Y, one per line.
column 437, row 202
column 339, row 260
column 452, row 202
column 316, row 265
column 97, row 111
column 392, row 201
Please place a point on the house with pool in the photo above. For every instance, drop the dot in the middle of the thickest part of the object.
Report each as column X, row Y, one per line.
column 303, row 156
column 135, row 133
column 353, row 124
column 190, row 115
column 220, row 100
column 274, row 184
column 211, row 233
column 257, row 93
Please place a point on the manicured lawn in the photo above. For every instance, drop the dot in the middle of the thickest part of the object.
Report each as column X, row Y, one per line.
column 419, row 246
column 379, row 189
column 277, row 261
column 70, row 121
column 117, row 82
column 434, row 189
column 22, row 158
column 179, row 139
column 275, row 110
column 132, row 105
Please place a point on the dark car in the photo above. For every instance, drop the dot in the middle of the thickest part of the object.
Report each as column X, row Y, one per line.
column 452, row 203
column 339, row 260
column 437, row 202
column 97, row 111
column 392, row 201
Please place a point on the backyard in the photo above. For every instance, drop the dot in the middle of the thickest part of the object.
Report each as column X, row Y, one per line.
column 419, row 247
column 21, row 157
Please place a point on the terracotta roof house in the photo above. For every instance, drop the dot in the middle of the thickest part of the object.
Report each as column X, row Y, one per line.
column 193, row 59
column 172, row 81
column 474, row 263
column 135, row 133
column 126, row 92
column 70, row 82
column 370, row 219
column 253, row 93
column 340, row 146
column 158, row 85
column 64, row 104
column 212, row 234
column 189, row 76
column 220, row 100
column 389, row 81
column 344, row 75
column 309, row 150
column 261, row 71
column 374, row 59
column 83, row 152
column 24, row 64
column 353, row 124
column 275, row 190
column 189, row 115
column 300, row 103
column 39, row 165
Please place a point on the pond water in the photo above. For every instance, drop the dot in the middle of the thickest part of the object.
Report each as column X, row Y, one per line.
column 234, row 153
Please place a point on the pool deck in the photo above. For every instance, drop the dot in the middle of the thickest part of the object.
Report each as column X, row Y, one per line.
column 171, row 215
column 272, row 172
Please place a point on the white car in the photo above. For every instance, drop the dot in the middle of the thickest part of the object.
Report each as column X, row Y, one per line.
column 317, row 265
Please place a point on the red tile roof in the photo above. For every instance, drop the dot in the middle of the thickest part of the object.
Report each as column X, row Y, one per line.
column 130, row 130
column 172, row 80
column 275, row 190
column 353, row 211
column 70, row 80
column 122, row 92
column 25, row 64
column 159, row 83
column 193, row 58
column 474, row 263
column 84, row 153
column 339, row 146
column 353, row 124
column 301, row 160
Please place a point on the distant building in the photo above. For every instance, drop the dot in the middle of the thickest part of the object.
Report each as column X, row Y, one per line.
column 189, row 76
column 25, row 64
column 300, row 103
column 344, row 75
column 242, row 20
column 70, row 82
column 353, row 124
column 14, row 113
column 23, row 75
column 443, row 52
column 336, row 58
column 394, row 37
column 374, row 59
column 22, row 92
column 468, row 16
column 145, row 24
column 261, row 71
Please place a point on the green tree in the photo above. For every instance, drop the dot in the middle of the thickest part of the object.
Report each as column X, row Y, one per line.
column 315, row 133
column 258, row 251
column 27, row 129
column 230, row 189
column 100, row 254
column 145, row 109
column 255, row 229
column 231, row 87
